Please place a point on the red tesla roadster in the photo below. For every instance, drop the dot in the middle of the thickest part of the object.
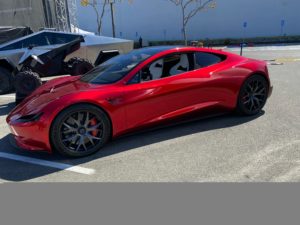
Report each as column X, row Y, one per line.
column 76, row 116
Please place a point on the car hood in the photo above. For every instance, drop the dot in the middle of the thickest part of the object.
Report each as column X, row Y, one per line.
column 50, row 91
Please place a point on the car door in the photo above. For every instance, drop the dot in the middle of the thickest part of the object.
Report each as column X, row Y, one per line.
column 197, row 89
column 185, row 85
column 151, row 96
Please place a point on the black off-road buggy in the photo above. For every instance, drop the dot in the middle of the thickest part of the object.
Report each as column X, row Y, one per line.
column 37, row 63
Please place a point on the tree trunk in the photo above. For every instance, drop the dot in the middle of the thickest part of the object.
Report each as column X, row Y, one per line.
column 99, row 28
column 185, row 36
column 99, row 16
column 184, row 26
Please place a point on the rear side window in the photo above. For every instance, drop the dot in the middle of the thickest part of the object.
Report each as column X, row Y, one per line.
column 203, row 59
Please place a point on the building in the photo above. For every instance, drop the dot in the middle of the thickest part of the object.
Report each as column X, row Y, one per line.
column 161, row 20
column 22, row 13
column 37, row 14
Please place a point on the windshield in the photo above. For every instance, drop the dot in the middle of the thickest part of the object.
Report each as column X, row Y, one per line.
column 118, row 67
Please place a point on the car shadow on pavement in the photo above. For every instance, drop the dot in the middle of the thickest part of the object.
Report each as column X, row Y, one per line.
column 149, row 137
column 6, row 108
column 11, row 170
column 18, row 171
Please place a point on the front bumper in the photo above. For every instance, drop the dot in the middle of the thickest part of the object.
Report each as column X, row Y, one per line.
column 30, row 136
column 25, row 144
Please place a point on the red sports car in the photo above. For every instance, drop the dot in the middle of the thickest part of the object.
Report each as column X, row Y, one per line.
column 76, row 116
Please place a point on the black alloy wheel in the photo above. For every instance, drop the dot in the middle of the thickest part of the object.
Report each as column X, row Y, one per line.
column 80, row 130
column 253, row 95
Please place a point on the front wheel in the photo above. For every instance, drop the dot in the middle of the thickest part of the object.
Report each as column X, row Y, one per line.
column 253, row 95
column 80, row 130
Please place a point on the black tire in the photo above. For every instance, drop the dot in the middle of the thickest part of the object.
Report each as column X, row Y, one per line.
column 253, row 95
column 19, row 98
column 74, row 134
column 26, row 82
column 6, row 81
column 78, row 66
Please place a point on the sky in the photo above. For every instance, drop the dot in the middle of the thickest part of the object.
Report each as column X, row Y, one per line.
column 161, row 20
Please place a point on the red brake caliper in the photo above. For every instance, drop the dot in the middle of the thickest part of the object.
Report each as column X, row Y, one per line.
column 93, row 123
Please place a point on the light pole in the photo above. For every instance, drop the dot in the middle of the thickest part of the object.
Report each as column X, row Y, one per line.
column 111, row 2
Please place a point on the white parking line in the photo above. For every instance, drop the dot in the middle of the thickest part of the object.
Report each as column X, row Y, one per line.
column 7, row 96
column 61, row 166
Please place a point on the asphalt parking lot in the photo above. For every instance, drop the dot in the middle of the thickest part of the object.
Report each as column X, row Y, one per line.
column 229, row 148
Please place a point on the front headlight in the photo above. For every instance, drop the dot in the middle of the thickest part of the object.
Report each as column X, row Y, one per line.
column 30, row 118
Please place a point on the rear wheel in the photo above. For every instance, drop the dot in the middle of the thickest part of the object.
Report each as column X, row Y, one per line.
column 6, row 81
column 80, row 131
column 253, row 95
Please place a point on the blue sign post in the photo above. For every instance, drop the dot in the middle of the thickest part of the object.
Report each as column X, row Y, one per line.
column 245, row 25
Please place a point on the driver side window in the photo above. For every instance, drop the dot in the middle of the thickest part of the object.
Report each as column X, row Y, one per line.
column 171, row 65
